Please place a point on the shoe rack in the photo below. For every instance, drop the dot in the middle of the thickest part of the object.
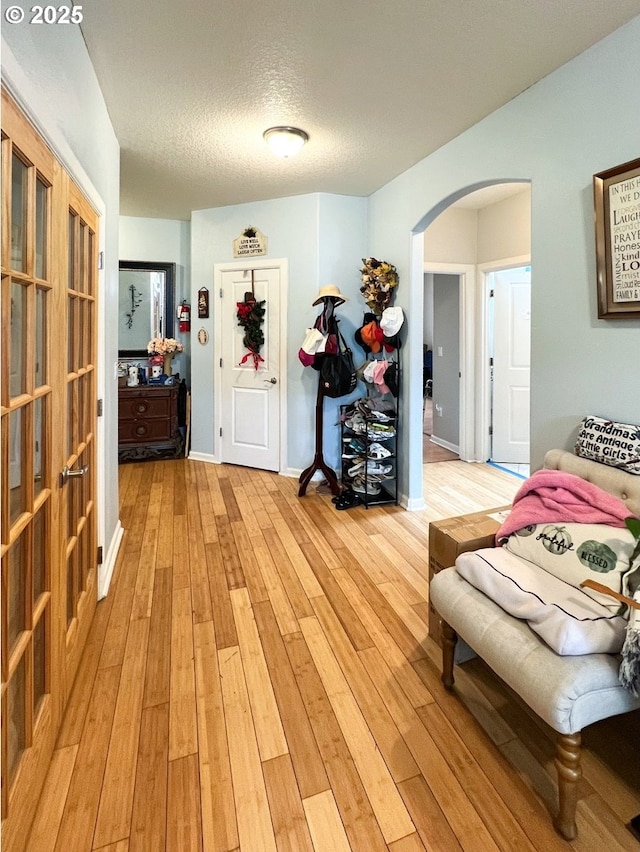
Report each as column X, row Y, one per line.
column 368, row 450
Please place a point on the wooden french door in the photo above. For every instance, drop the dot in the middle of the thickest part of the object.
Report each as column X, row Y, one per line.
column 48, row 481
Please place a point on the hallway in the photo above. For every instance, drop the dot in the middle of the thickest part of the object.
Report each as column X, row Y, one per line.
column 432, row 452
column 260, row 678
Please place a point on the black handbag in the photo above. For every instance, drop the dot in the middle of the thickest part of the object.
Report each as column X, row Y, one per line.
column 337, row 372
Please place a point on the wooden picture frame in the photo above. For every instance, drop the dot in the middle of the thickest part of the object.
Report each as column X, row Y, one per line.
column 154, row 293
column 203, row 303
column 616, row 198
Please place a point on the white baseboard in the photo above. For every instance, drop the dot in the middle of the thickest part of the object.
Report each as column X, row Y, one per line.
column 203, row 457
column 105, row 571
column 415, row 504
column 294, row 473
column 455, row 448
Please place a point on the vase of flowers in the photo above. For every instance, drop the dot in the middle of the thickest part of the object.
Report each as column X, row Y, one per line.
column 379, row 279
column 162, row 350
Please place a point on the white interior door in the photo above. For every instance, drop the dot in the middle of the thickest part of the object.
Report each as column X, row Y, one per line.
column 511, row 365
column 250, row 415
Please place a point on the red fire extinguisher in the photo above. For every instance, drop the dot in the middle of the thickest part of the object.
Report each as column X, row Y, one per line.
column 184, row 316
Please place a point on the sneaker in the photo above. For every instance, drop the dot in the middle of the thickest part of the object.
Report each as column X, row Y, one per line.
column 380, row 431
column 370, row 488
column 379, row 477
column 377, row 468
column 362, row 407
column 377, row 451
column 357, row 424
column 353, row 448
column 374, row 435
column 358, row 467
column 348, row 453
column 347, row 413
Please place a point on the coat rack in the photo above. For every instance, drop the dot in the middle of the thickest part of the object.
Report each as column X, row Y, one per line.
column 318, row 462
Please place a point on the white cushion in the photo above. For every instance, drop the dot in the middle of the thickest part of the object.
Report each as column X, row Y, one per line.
column 578, row 552
column 567, row 619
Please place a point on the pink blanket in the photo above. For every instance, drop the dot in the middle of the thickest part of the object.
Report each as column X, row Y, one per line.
column 553, row 495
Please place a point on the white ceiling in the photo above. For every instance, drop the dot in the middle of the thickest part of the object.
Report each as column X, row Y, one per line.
column 377, row 84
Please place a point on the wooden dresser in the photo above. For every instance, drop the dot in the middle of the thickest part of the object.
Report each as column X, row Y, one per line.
column 148, row 422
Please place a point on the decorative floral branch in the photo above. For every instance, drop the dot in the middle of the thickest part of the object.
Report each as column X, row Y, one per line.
column 379, row 278
column 136, row 300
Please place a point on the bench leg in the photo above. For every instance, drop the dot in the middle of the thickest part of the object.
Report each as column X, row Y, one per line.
column 569, row 773
column 449, row 639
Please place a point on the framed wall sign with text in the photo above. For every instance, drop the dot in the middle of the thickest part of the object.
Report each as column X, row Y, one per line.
column 616, row 196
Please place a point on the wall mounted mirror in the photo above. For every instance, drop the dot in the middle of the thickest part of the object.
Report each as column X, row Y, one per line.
column 146, row 305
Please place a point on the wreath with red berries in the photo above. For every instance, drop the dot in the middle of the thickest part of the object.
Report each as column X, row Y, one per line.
column 250, row 315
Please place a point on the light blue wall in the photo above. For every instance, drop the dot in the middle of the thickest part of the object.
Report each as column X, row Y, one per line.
column 323, row 238
column 577, row 121
column 164, row 241
column 580, row 120
column 49, row 71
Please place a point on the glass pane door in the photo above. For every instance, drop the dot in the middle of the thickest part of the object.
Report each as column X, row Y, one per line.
column 80, row 546
column 48, row 547
column 27, row 494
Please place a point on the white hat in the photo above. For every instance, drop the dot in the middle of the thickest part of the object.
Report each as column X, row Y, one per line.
column 391, row 321
column 330, row 291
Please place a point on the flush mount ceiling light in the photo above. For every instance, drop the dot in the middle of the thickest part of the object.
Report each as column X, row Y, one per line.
column 285, row 141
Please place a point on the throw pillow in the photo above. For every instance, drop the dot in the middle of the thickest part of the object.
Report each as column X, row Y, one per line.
column 578, row 552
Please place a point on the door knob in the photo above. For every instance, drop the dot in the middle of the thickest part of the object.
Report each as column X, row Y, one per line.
column 67, row 473
column 272, row 380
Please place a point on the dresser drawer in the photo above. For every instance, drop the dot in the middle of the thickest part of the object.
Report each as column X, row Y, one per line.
column 144, row 430
column 144, row 407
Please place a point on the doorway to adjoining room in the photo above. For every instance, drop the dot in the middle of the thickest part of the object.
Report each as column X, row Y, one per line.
column 431, row 451
column 487, row 231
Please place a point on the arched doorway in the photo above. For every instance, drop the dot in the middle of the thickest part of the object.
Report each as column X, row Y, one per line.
column 482, row 227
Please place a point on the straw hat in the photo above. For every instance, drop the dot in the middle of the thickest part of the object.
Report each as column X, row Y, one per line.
column 330, row 291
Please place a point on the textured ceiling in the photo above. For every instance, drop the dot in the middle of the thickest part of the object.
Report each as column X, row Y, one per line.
column 377, row 84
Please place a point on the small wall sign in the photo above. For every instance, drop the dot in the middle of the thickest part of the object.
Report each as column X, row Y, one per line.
column 203, row 336
column 203, row 303
column 250, row 243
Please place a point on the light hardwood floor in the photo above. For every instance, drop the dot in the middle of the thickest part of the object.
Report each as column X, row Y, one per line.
column 432, row 452
column 260, row 678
